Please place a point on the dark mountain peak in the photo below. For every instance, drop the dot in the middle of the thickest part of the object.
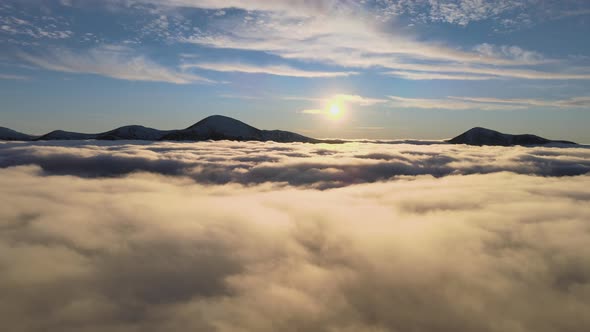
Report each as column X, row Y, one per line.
column 216, row 120
column 132, row 127
column 484, row 136
column 8, row 134
column 223, row 124
column 65, row 135
column 217, row 127
column 132, row 132
column 482, row 130
column 287, row 136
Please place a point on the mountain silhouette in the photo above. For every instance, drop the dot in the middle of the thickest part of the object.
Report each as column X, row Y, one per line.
column 215, row 127
column 219, row 127
column 7, row 134
column 483, row 136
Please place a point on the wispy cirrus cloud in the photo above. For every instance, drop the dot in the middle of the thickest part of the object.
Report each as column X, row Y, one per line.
column 341, row 97
column 314, row 111
column 13, row 77
column 347, row 98
column 570, row 13
column 429, row 76
column 448, row 104
column 484, row 103
column 520, row 55
column 343, row 40
column 481, row 72
column 277, row 70
column 110, row 61
column 347, row 101
column 299, row 7
column 36, row 27
column 346, row 34
column 459, row 12
column 354, row 41
column 358, row 100
column 505, row 14
column 574, row 102
column 332, row 29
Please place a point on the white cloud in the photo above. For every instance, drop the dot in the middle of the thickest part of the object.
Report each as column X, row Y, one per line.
column 295, row 29
column 358, row 100
column 144, row 251
column 313, row 111
column 293, row 7
column 449, row 104
column 463, row 12
column 486, row 103
column 417, row 76
column 13, row 77
column 353, row 40
column 570, row 13
column 350, row 34
column 278, row 70
column 306, row 165
column 341, row 40
column 574, row 102
column 115, row 62
column 345, row 102
column 504, row 15
column 513, row 52
column 459, row 12
column 341, row 98
column 37, row 28
column 432, row 71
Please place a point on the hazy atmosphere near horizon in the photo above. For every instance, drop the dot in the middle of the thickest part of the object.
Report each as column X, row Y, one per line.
column 295, row 165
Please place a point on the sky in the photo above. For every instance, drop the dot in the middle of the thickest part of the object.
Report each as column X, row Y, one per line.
column 394, row 68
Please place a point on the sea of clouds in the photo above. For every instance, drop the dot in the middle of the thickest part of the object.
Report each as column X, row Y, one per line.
column 318, row 166
column 230, row 236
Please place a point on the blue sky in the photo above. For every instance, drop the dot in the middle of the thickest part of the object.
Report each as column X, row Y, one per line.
column 396, row 68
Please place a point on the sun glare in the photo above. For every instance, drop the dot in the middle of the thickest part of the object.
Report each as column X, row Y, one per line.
column 334, row 109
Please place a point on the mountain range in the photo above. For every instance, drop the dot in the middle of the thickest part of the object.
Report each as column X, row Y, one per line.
column 218, row 127
column 215, row 127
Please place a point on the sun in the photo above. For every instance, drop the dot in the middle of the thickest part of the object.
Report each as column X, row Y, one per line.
column 335, row 110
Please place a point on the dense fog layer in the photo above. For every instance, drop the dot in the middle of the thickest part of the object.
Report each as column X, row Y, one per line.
column 298, row 164
column 237, row 237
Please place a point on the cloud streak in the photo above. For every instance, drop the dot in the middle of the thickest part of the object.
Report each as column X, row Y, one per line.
column 450, row 104
column 13, row 77
column 278, row 70
column 353, row 99
column 462, row 72
column 485, row 103
column 111, row 61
